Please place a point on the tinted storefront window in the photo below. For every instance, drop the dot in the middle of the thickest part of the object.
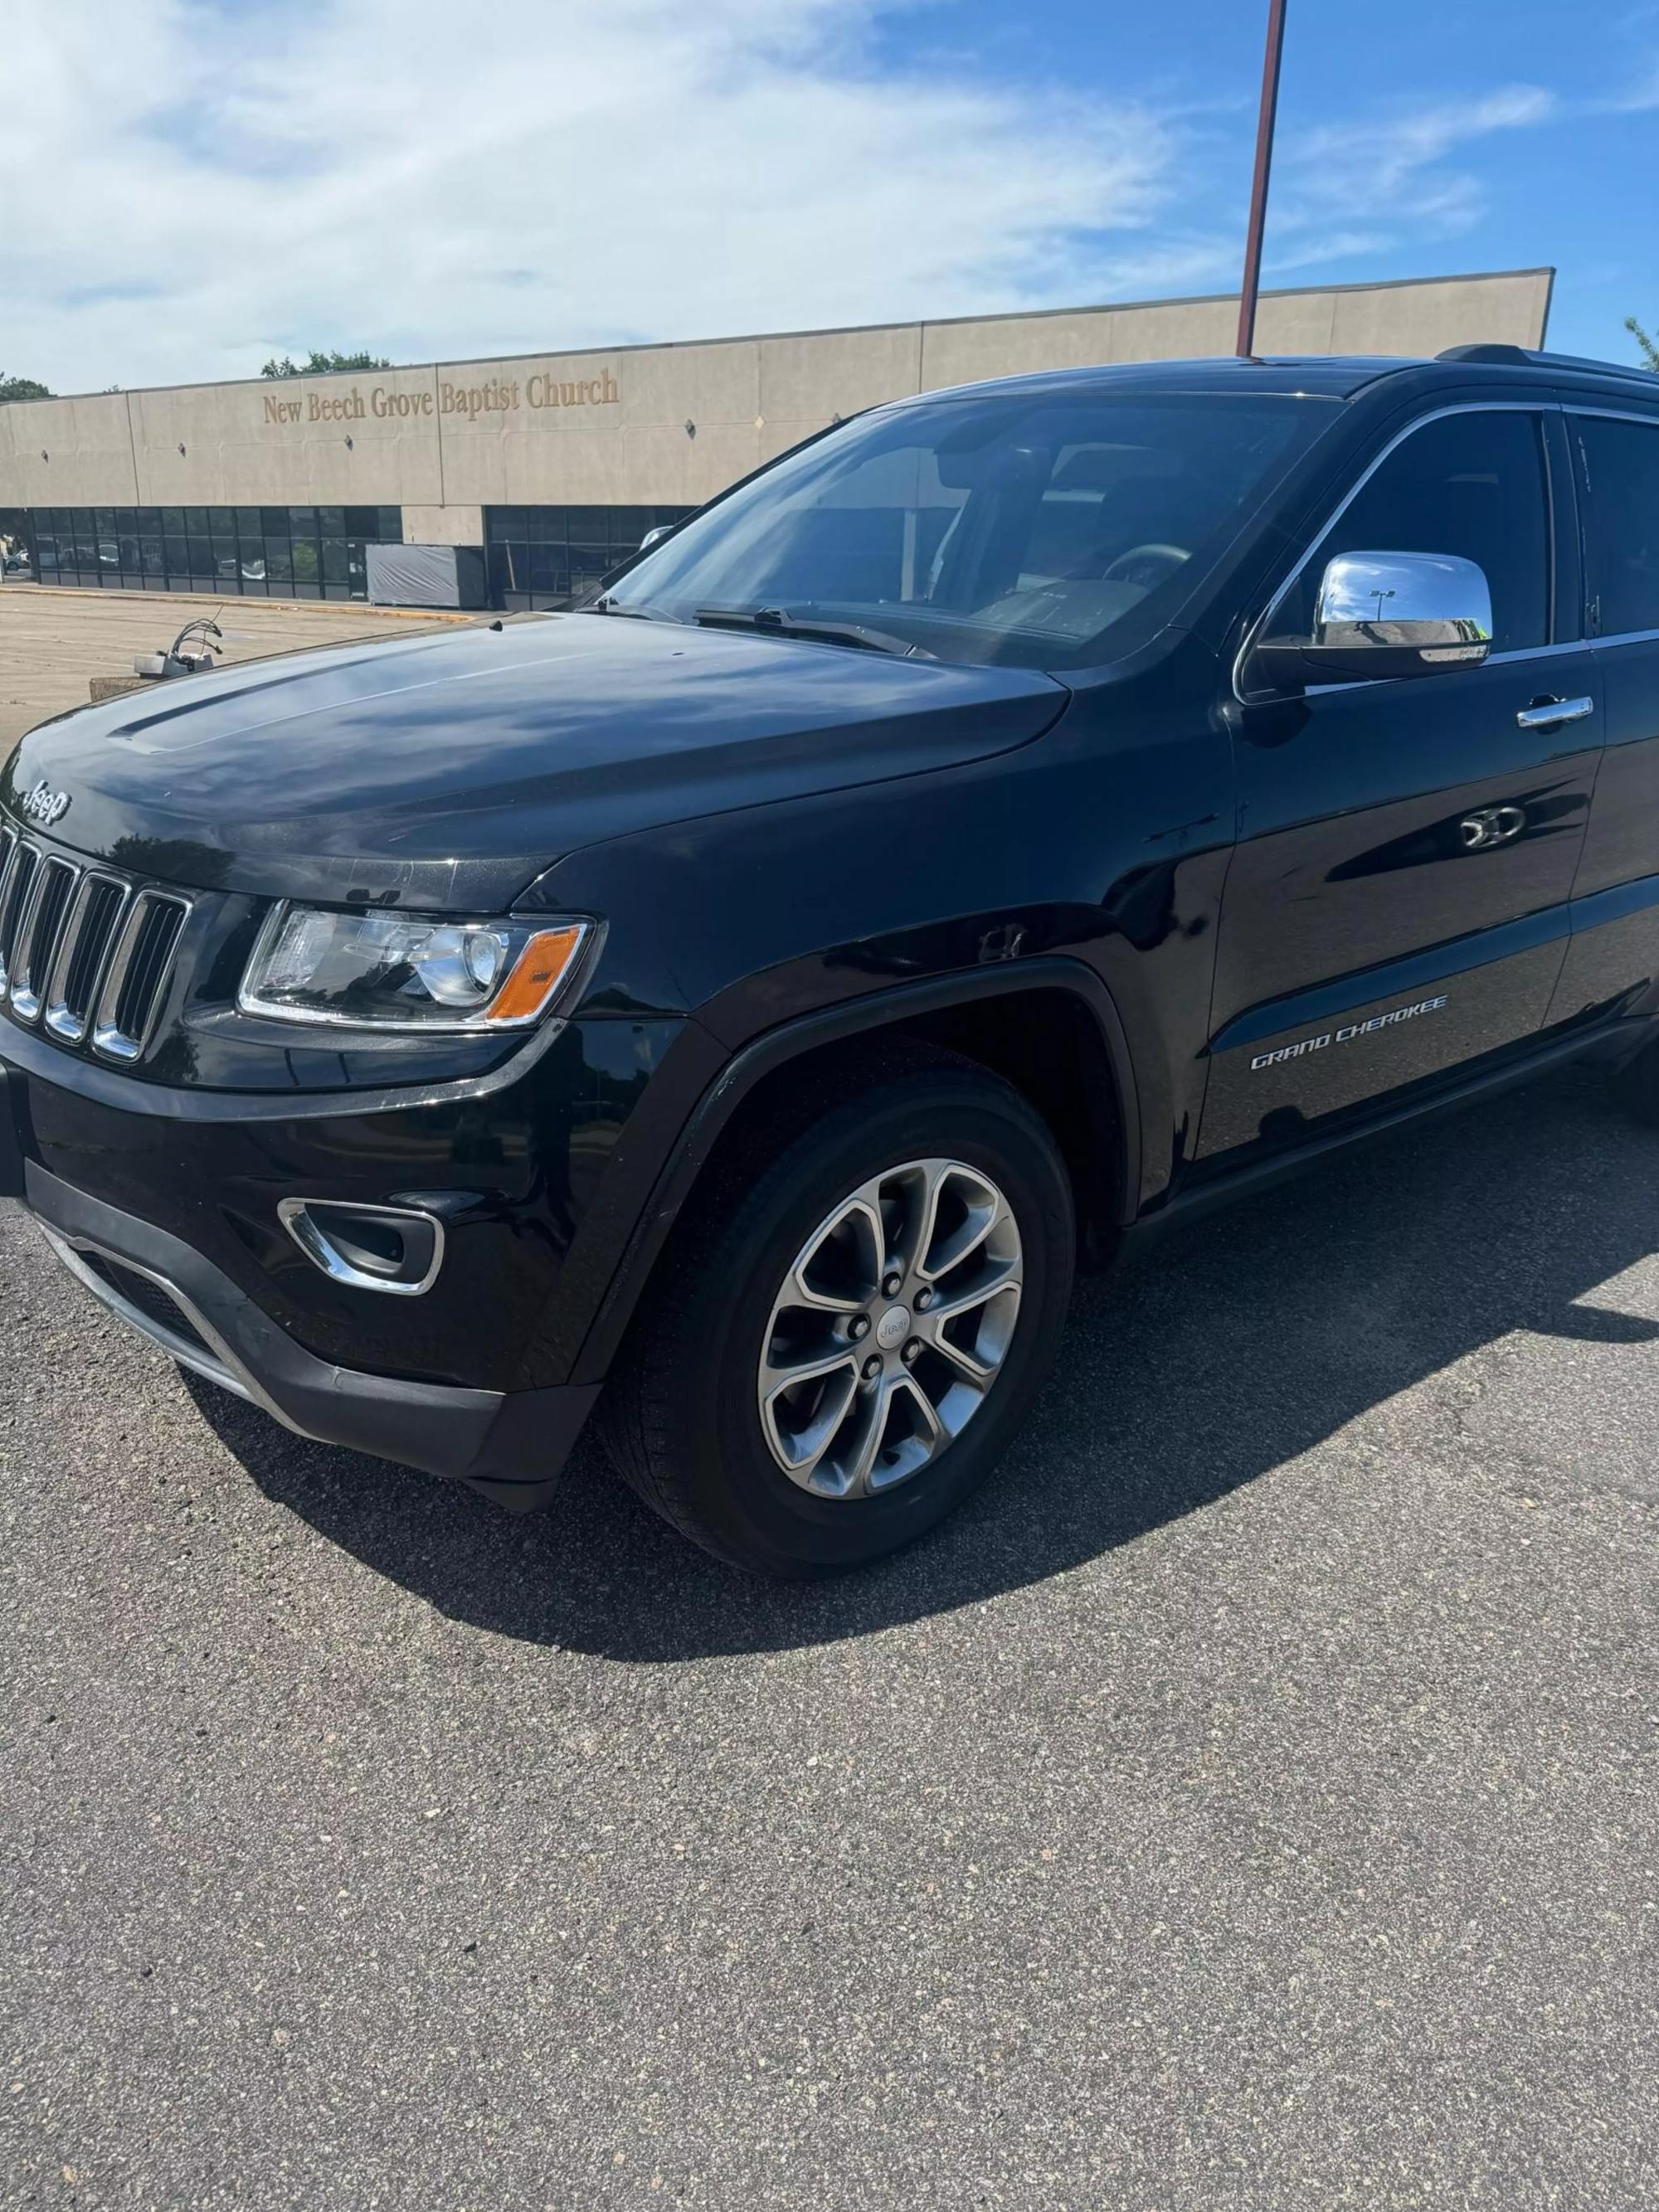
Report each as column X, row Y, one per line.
column 545, row 556
column 244, row 552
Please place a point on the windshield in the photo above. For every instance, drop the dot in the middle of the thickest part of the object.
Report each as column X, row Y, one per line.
column 1017, row 528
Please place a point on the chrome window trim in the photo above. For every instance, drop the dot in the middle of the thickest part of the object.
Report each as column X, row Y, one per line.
column 109, row 1042
column 1491, row 660
column 1611, row 414
column 1570, row 407
column 59, row 1020
column 1622, row 637
column 1539, row 407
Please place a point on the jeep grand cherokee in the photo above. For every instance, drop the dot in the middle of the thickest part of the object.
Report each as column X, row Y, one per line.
column 1015, row 818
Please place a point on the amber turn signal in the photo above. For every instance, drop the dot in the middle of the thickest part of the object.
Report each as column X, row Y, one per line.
column 537, row 973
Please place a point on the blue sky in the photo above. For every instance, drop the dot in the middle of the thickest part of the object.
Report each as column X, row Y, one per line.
column 198, row 183
column 1572, row 184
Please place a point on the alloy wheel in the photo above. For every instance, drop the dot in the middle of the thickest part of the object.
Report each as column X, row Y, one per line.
column 890, row 1328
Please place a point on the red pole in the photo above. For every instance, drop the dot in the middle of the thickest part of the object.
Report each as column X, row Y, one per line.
column 1264, row 157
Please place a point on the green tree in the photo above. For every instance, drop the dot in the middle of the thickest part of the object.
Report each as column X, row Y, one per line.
column 22, row 387
column 1650, row 346
column 318, row 364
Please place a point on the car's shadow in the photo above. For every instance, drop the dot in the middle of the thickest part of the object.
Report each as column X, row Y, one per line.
column 1231, row 1347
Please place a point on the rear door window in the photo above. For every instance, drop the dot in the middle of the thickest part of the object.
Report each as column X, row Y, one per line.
column 1620, row 463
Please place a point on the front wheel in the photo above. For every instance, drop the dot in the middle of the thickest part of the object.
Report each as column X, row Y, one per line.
column 850, row 1331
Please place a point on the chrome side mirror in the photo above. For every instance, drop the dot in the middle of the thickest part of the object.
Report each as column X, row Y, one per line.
column 656, row 536
column 1387, row 614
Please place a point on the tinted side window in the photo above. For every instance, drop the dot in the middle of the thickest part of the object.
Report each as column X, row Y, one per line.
column 1469, row 484
column 1621, row 523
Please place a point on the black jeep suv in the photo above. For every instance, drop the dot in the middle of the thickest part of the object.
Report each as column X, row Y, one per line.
column 1014, row 818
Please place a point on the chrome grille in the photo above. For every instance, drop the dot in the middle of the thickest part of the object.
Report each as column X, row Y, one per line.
column 92, row 950
column 84, row 955
column 132, row 993
column 14, row 888
column 40, row 924
column 8, row 854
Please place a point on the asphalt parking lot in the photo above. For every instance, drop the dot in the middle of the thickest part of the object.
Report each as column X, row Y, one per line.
column 1249, row 1801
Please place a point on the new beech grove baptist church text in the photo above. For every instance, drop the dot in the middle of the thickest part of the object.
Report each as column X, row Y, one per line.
column 499, row 396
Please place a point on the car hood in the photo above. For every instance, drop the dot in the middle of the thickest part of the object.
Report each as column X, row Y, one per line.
column 448, row 770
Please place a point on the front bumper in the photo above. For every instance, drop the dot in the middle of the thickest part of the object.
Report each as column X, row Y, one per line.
column 518, row 1166
column 508, row 1443
column 166, row 1200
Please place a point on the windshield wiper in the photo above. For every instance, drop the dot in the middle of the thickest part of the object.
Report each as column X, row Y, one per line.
column 608, row 606
column 782, row 624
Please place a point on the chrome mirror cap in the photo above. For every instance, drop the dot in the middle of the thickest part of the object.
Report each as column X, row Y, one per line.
column 1384, row 614
column 1435, row 604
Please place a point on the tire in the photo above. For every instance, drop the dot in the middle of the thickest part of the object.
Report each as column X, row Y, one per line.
column 682, row 1415
column 1635, row 1085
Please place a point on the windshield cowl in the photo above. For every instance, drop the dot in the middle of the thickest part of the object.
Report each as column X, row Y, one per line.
column 778, row 622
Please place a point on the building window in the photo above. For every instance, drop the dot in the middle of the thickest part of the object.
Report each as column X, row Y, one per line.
column 241, row 552
column 545, row 556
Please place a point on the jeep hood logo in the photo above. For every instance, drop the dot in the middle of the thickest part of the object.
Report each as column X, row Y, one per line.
column 45, row 805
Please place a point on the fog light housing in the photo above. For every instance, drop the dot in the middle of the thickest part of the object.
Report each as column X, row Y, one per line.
column 393, row 1248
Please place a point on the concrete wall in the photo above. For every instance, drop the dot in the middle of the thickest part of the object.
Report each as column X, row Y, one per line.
column 443, row 525
column 56, row 453
column 650, row 425
column 294, row 440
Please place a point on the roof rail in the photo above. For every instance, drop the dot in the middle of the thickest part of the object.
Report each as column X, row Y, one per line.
column 1514, row 357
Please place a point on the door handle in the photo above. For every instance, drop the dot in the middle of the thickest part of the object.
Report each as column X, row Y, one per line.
column 1550, row 713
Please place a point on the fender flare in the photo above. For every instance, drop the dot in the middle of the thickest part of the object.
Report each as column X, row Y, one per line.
column 774, row 1048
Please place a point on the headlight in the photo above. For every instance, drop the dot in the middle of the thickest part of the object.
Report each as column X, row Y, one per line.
column 399, row 971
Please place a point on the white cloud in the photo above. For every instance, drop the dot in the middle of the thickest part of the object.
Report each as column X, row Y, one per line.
column 1639, row 96
column 1365, row 187
column 1313, row 246
column 190, row 190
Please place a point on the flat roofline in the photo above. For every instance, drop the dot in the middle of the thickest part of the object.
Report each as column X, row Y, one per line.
column 840, row 330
